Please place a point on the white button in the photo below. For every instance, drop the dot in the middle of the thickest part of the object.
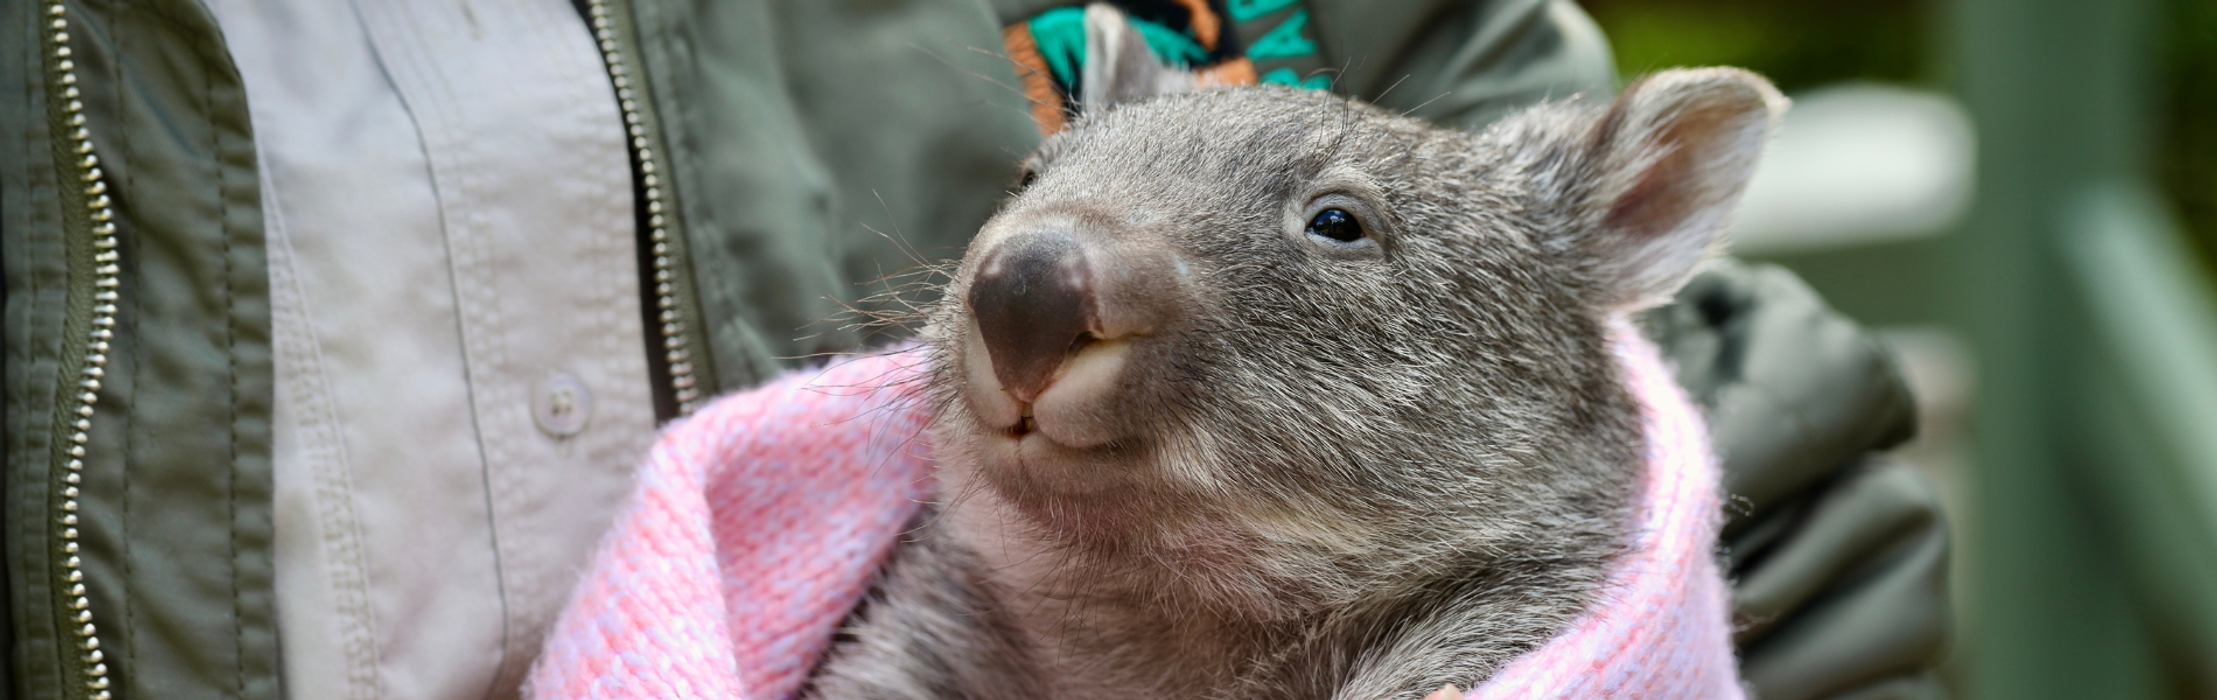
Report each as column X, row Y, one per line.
column 562, row 405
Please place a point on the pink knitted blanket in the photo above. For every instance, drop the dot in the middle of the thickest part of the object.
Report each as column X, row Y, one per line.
column 757, row 523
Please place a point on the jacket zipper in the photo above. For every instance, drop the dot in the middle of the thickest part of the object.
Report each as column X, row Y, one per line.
column 682, row 359
column 89, row 233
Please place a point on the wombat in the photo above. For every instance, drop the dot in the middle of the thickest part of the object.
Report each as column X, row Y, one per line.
column 1262, row 392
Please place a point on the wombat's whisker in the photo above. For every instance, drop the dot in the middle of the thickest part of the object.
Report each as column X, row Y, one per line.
column 1422, row 105
column 981, row 76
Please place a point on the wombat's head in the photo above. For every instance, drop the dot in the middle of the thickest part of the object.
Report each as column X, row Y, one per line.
column 1282, row 328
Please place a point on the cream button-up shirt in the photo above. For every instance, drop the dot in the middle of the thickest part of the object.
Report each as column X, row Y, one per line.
column 449, row 213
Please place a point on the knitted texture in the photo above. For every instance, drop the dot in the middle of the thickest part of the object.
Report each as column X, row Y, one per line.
column 757, row 523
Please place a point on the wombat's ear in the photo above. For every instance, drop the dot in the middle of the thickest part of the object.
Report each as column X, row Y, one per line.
column 1672, row 155
column 1119, row 67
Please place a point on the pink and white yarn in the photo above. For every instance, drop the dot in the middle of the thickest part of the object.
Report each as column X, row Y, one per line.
column 756, row 524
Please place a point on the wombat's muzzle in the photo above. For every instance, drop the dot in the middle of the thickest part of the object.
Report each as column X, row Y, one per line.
column 1034, row 301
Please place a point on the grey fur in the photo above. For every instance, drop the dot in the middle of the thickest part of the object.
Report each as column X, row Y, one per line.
column 1322, row 470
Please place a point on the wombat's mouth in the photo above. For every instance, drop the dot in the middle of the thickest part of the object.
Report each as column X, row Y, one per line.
column 1029, row 424
column 1074, row 451
column 1023, row 427
column 1073, row 408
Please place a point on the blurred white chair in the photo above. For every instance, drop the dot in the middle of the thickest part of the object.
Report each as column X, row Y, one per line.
column 1856, row 164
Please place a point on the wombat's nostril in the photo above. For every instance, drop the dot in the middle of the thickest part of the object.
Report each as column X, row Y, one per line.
column 1033, row 299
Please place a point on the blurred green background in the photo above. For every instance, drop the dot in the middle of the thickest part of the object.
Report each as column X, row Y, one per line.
column 2021, row 196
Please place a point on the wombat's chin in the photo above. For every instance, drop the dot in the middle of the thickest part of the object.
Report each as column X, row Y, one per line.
column 1087, row 499
column 1094, row 492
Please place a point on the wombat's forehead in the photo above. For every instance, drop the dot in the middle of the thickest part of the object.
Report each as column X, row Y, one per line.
column 1230, row 108
column 1241, row 127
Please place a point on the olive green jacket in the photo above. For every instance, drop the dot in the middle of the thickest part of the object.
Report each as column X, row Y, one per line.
column 814, row 147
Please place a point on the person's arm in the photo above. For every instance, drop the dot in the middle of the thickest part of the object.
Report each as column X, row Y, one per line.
column 1459, row 62
column 1838, row 553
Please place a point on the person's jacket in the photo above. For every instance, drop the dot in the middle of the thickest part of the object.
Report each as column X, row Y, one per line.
column 137, row 512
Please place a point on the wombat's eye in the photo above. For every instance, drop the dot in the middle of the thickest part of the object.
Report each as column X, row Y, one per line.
column 1336, row 224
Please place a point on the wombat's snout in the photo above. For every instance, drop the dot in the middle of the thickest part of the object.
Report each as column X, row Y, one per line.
column 1034, row 302
column 1067, row 311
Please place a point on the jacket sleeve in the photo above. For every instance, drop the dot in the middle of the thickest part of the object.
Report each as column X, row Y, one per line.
column 1837, row 553
column 1459, row 62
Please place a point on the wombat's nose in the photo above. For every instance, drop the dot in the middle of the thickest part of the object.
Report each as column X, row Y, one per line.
column 1033, row 299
